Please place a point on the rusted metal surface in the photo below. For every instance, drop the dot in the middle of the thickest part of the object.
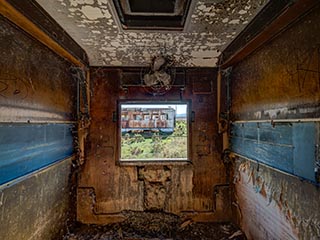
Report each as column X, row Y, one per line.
column 16, row 17
column 282, row 79
column 36, row 14
column 37, row 108
column 37, row 207
column 275, row 83
column 35, row 84
column 110, row 188
column 270, row 21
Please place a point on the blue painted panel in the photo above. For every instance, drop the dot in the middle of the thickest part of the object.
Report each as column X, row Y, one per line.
column 289, row 147
column 304, row 141
column 280, row 156
column 281, row 133
column 25, row 148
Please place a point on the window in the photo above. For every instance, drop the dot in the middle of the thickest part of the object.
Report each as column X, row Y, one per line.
column 152, row 14
column 154, row 131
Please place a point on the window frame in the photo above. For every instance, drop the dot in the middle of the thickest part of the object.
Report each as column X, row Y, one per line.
column 160, row 161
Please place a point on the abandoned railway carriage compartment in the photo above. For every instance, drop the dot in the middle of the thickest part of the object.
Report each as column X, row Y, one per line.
column 147, row 119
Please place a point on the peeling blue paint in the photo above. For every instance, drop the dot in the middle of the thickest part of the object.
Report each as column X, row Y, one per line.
column 289, row 147
column 25, row 148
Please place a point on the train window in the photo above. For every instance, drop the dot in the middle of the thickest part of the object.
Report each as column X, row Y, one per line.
column 154, row 131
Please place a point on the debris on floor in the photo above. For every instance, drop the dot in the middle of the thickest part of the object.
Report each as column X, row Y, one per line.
column 155, row 226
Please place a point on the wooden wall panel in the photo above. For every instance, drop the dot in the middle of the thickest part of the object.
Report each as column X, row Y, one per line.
column 37, row 104
column 38, row 99
column 115, row 188
column 35, row 84
column 279, row 82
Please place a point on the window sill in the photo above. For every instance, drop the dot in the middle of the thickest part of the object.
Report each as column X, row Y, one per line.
column 154, row 163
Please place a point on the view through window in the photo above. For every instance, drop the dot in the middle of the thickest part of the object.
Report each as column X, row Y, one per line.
column 151, row 132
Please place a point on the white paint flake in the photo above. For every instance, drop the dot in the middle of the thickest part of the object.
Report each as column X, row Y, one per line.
column 202, row 7
column 235, row 21
column 213, row 25
column 241, row 12
column 92, row 13
column 225, row 20
column 75, row 3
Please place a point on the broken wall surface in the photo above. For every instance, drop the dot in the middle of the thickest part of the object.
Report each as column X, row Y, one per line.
column 37, row 114
column 107, row 188
column 278, row 82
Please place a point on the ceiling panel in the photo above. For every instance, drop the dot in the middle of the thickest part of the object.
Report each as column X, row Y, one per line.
column 211, row 25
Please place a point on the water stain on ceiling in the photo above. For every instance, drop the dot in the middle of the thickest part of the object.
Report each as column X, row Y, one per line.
column 211, row 25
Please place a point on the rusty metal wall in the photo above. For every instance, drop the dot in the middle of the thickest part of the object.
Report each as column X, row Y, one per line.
column 107, row 188
column 37, row 112
column 279, row 82
column 35, row 84
column 38, row 206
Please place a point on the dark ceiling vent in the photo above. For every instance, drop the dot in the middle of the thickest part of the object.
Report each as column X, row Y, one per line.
column 141, row 6
column 152, row 14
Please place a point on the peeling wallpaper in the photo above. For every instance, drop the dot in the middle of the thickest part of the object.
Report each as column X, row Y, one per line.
column 212, row 25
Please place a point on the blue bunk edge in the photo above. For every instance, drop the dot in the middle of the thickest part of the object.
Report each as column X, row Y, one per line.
column 289, row 147
column 25, row 148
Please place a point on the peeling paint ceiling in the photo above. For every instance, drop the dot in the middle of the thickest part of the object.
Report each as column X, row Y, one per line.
column 210, row 27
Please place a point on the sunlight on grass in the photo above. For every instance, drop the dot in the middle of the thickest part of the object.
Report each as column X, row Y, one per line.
column 156, row 146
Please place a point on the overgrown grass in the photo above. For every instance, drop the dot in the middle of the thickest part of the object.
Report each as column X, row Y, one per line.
column 156, row 147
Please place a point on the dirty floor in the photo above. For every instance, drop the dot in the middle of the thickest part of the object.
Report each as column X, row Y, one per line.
column 155, row 226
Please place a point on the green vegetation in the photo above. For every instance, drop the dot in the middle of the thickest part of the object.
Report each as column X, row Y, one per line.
column 157, row 147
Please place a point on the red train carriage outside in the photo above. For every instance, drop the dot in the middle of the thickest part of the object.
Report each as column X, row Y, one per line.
column 148, row 120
